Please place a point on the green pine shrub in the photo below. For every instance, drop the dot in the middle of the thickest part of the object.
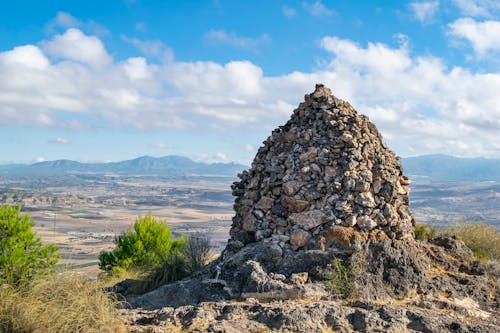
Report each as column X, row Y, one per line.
column 147, row 243
column 22, row 254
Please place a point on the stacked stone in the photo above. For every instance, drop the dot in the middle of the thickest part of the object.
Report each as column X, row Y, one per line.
column 325, row 179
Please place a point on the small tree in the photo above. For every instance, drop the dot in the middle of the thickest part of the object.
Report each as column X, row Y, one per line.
column 22, row 254
column 147, row 243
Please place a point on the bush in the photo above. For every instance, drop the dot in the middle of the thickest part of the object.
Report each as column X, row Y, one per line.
column 22, row 254
column 64, row 303
column 339, row 278
column 198, row 253
column 424, row 232
column 148, row 243
column 482, row 239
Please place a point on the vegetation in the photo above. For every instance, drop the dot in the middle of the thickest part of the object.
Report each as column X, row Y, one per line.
column 22, row 254
column 31, row 300
column 424, row 232
column 147, row 243
column 148, row 250
column 339, row 278
column 64, row 303
column 198, row 253
column 482, row 239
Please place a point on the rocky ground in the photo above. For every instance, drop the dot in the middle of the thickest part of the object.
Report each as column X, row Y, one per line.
column 461, row 315
column 437, row 286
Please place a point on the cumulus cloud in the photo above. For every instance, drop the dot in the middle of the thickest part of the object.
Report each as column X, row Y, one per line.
column 317, row 8
column 482, row 36
column 75, row 45
column 60, row 141
column 232, row 39
column 424, row 11
column 419, row 104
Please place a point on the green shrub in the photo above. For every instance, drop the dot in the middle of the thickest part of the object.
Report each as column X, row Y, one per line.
column 482, row 239
column 339, row 278
column 424, row 232
column 147, row 243
column 22, row 254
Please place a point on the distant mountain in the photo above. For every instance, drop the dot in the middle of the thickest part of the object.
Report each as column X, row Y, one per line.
column 146, row 165
column 438, row 167
column 444, row 167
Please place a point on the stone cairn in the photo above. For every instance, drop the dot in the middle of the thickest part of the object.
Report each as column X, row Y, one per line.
column 325, row 180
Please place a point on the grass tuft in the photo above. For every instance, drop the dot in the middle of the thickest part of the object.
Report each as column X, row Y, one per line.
column 64, row 302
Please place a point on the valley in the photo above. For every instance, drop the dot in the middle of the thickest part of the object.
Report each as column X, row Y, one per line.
column 83, row 213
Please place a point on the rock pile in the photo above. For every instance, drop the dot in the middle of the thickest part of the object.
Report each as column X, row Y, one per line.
column 324, row 179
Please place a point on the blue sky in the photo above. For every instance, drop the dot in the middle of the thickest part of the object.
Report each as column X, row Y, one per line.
column 113, row 80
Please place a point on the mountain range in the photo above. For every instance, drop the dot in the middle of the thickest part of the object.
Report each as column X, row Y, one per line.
column 434, row 167
column 444, row 167
column 172, row 165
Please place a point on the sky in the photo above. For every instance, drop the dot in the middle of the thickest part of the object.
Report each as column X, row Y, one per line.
column 98, row 81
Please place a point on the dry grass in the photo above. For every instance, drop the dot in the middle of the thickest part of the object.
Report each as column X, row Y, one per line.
column 62, row 303
column 482, row 239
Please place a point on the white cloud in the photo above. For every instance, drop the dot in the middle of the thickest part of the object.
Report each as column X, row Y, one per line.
column 418, row 103
column 39, row 159
column 478, row 8
column 289, row 12
column 75, row 45
column 61, row 141
column 424, row 11
column 28, row 56
column 65, row 21
column 317, row 8
column 230, row 38
column 151, row 48
column 483, row 36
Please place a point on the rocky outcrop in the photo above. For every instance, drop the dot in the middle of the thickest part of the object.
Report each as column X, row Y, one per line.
column 325, row 186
